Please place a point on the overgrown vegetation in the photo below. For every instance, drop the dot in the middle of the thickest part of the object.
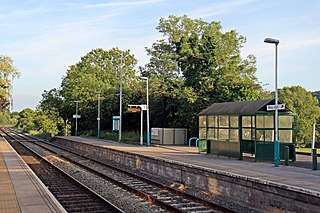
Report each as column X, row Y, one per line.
column 195, row 65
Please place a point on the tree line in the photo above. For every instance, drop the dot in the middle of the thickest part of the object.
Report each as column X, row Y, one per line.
column 195, row 65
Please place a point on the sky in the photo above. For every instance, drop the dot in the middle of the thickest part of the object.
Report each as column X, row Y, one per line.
column 45, row 37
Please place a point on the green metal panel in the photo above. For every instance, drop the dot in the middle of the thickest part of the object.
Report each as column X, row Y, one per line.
column 209, row 147
column 202, row 143
column 292, row 152
column 247, row 146
column 223, row 148
column 234, row 149
column 264, row 151
column 214, row 147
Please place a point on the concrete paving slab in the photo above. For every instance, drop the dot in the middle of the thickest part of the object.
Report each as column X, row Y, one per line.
column 21, row 190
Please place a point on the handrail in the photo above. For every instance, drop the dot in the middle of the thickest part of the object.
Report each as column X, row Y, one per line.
column 193, row 138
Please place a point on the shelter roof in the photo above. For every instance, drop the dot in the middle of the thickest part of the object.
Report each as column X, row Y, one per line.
column 242, row 107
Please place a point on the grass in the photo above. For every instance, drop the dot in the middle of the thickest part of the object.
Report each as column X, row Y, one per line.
column 306, row 150
column 130, row 137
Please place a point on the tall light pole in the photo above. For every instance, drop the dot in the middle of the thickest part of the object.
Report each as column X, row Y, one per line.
column 120, row 105
column 76, row 116
column 98, row 118
column 148, row 115
column 276, row 141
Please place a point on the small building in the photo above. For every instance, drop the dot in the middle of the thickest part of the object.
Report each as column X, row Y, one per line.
column 234, row 128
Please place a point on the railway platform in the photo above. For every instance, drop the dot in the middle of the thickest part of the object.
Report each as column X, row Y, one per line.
column 20, row 189
column 293, row 175
column 257, row 184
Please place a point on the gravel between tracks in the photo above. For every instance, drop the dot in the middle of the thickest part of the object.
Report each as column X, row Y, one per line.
column 118, row 196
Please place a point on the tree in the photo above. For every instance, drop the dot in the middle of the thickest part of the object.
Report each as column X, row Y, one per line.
column 7, row 73
column 197, row 65
column 306, row 110
column 8, row 119
column 53, row 106
column 99, row 71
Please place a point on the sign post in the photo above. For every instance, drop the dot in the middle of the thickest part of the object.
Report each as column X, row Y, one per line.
column 275, row 108
column 76, row 116
column 138, row 108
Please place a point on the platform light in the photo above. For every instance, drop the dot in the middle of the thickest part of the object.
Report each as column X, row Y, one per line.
column 276, row 139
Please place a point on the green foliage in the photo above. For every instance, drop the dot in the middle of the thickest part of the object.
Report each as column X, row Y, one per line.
column 53, row 107
column 7, row 73
column 38, row 121
column 127, row 136
column 305, row 108
column 195, row 66
column 99, row 72
column 8, row 119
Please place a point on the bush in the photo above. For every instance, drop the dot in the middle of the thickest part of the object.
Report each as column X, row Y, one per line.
column 131, row 137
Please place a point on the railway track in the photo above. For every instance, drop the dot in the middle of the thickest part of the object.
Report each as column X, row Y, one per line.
column 73, row 196
column 167, row 198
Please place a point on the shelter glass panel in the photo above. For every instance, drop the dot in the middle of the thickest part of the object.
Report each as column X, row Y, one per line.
column 246, row 121
column 234, row 135
column 234, row 121
column 202, row 121
column 223, row 134
column 285, row 121
column 202, row 133
column 223, row 121
column 260, row 121
column 269, row 136
column 253, row 136
column 253, row 121
column 246, row 133
column 285, row 135
column 212, row 134
column 260, row 135
column 212, row 121
column 268, row 121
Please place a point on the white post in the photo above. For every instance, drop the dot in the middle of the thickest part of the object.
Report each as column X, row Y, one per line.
column 76, row 130
column 276, row 141
column 141, row 132
column 277, row 148
column 120, row 105
column 313, row 135
column 98, row 115
column 148, row 114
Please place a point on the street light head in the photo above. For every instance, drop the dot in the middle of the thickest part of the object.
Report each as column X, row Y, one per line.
column 271, row 41
column 145, row 78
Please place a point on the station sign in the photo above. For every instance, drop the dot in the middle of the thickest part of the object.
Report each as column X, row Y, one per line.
column 76, row 116
column 135, row 107
column 133, row 110
column 276, row 107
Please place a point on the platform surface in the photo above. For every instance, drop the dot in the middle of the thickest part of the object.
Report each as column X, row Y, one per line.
column 300, row 178
column 20, row 189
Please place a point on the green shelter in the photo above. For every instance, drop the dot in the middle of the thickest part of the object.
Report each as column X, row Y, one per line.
column 234, row 128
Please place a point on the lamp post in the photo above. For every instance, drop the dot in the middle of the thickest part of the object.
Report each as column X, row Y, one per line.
column 276, row 142
column 148, row 115
column 120, row 105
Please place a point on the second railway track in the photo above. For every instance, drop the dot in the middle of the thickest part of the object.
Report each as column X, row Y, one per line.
column 72, row 195
column 156, row 197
